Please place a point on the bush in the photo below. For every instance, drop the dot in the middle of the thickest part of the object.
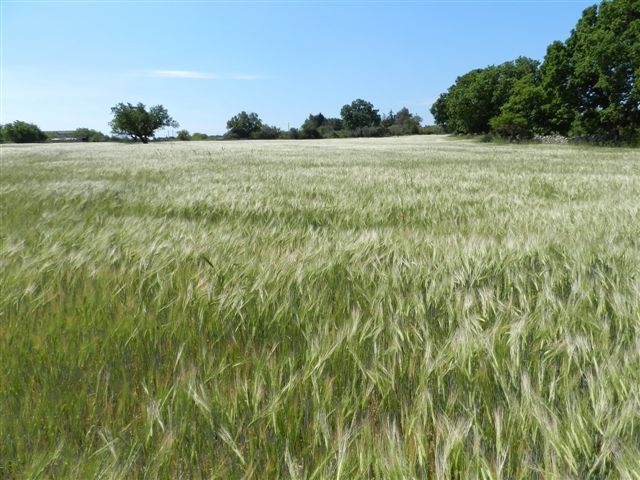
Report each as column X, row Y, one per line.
column 268, row 132
column 327, row 131
column 89, row 135
column 183, row 135
column 371, row 131
column 244, row 125
column 293, row 134
column 433, row 130
column 23, row 132
column 512, row 126
column 199, row 136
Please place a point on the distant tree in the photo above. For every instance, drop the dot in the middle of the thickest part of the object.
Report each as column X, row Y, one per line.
column 138, row 123
column 183, row 135
column 244, row 125
column 334, row 123
column 388, row 119
column 433, row 130
column 89, row 135
column 23, row 132
column 293, row 134
column 268, row 132
column 199, row 136
column 405, row 123
column 332, row 128
column 310, row 127
column 359, row 115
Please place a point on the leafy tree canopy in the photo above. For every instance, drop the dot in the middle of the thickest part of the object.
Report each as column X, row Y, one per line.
column 477, row 96
column 183, row 135
column 22, row 132
column 404, row 122
column 522, row 115
column 603, row 67
column 360, row 114
column 588, row 85
column 244, row 125
column 138, row 122
column 268, row 132
column 89, row 135
column 310, row 127
column 199, row 136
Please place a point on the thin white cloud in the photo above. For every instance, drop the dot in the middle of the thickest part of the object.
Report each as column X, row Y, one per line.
column 246, row 77
column 202, row 75
column 184, row 74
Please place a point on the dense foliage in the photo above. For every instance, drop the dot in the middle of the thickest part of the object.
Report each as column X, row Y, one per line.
column 138, row 122
column 358, row 119
column 183, row 135
column 21, row 132
column 360, row 115
column 318, row 126
column 244, row 125
column 402, row 123
column 586, row 86
column 89, row 135
column 478, row 96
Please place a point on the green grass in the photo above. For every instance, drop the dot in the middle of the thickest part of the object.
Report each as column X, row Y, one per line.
column 414, row 307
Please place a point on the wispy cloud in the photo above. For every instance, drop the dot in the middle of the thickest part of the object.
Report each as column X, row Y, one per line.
column 184, row 74
column 246, row 77
column 203, row 75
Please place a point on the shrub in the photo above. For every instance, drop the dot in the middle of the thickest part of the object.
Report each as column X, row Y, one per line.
column 89, row 135
column 268, row 132
column 511, row 125
column 183, row 135
column 199, row 136
column 433, row 130
column 23, row 132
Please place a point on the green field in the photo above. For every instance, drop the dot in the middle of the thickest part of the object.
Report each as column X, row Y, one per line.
column 414, row 307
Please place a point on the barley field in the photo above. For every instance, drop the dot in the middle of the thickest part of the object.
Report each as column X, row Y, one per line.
column 398, row 308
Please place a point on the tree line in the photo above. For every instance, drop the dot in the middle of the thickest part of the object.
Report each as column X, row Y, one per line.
column 357, row 119
column 139, row 123
column 586, row 87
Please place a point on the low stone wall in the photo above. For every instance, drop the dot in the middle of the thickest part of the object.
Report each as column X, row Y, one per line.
column 559, row 139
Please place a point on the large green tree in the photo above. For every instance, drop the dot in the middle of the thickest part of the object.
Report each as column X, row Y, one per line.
column 244, row 125
column 89, row 135
column 588, row 85
column 404, row 122
column 477, row 96
column 523, row 114
column 138, row 122
column 599, row 74
column 359, row 115
column 311, row 126
column 439, row 111
column 22, row 132
column 560, row 97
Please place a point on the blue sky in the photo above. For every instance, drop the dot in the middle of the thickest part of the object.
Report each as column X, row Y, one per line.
column 65, row 64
